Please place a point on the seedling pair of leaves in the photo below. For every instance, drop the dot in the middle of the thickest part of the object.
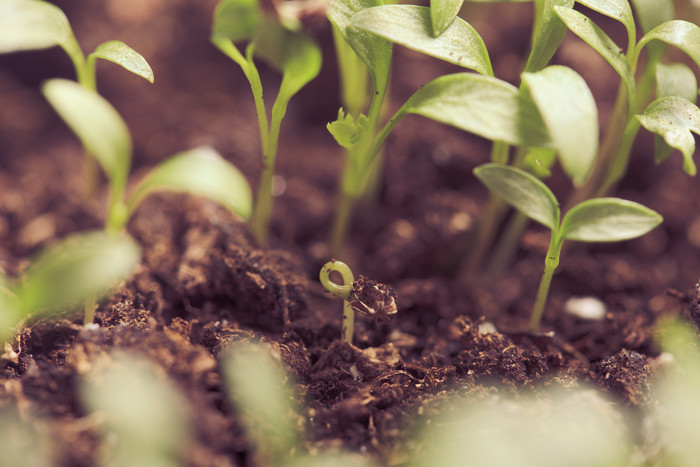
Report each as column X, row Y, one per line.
column 673, row 115
column 201, row 171
column 285, row 48
column 594, row 220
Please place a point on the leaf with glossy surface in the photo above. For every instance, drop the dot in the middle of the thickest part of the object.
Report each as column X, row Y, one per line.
column 236, row 19
column 200, row 172
column 523, row 191
column 569, row 111
column 485, row 106
column 442, row 13
column 410, row 26
column 374, row 51
column 84, row 265
column 674, row 119
column 676, row 79
column 123, row 55
column 587, row 30
column 608, row 220
column 96, row 123
column 619, row 10
column 30, row 25
column 549, row 34
column 682, row 34
column 651, row 13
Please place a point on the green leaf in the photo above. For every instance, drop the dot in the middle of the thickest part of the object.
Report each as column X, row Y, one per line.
column 523, row 191
column 619, row 10
column 483, row 105
column 123, row 55
column 601, row 43
column 682, row 34
column 84, row 265
column 569, row 111
column 674, row 118
column 30, row 25
column 410, row 26
column 608, row 220
column 96, row 123
column 259, row 387
column 142, row 413
column 293, row 53
column 236, row 19
column 651, row 13
column 677, row 80
column 549, row 34
column 442, row 13
column 374, row 51
column 346, row 130
column 199, row 172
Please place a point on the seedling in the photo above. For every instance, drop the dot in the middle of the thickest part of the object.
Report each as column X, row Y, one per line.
column 364, row 295
column 81, row 267
column 594, row 220
column 201, row 172
column 291, row 52
column 35, row 24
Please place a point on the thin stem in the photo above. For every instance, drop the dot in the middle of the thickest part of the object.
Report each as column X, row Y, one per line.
column 550, row 264
column 343, row 291
column 341, row 223
column 353, row 76
column 507, row 244
column 89, row 307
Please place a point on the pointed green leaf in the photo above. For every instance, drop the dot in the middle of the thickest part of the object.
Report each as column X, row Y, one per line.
column 651, row 13
column 549, row 34
column 486, row 106
column 346, row 130
column 200, row 172
column 569, row 111
column 522, row 191
column 682, row 34
column 608, row 220
column 84, row 265
column 674, row 118
column 293, row 53
column 29, row 25
column 677, row 80
column 96, row 123
column 236, row 19
column 410, row 26
column 123, row 55
column 259, row 387
column 442, row 13
column 619, row 10
column 374, row 51
column 583, row 27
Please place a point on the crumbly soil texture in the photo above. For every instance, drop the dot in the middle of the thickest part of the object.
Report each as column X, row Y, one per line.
column 204, row 284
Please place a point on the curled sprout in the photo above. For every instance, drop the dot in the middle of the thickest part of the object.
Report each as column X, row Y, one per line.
column 362, row 295
column 343, row 291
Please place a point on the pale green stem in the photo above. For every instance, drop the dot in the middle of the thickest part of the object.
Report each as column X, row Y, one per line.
column 342, row 291
column 507, row 245
column 550, row 265
column 341, row 223
column 618, row 167
column 89, row 306
column 353, row 76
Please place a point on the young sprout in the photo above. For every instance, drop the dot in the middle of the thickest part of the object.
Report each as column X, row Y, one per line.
column 291, row 52
column 594, row 220
column 363, row 295
column 201, row 171
column 34, row 24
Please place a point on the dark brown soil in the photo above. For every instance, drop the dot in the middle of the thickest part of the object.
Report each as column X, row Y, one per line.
column 204, row 283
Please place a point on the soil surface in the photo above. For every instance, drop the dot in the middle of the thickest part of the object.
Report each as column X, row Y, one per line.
column 204, row 283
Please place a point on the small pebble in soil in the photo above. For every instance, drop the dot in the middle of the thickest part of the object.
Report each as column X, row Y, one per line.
column 487, row 328
column 585, row 308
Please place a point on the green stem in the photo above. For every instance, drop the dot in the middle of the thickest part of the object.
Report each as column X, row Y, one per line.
column 89, row 310
column 353, row 76
column 343, row 291
column 507, row 245
column 618, row 167
column 341, row 223
column 550, row 265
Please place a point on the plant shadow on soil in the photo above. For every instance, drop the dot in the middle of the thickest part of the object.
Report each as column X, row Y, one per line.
column 204, row 284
